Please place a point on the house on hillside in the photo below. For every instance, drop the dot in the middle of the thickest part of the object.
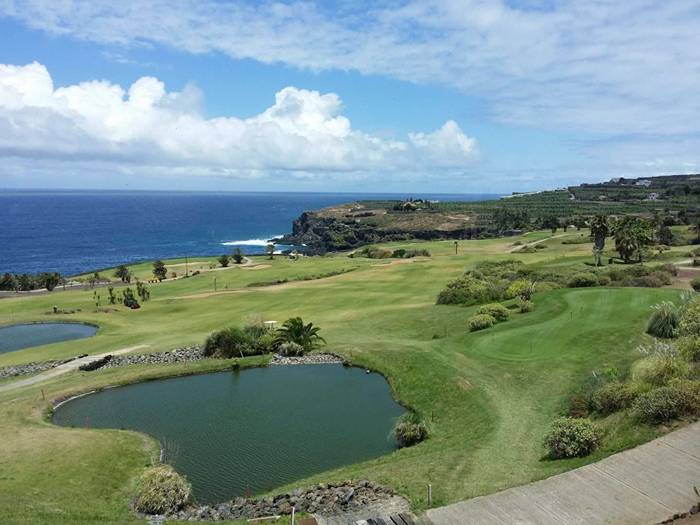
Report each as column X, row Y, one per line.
column 643, row 182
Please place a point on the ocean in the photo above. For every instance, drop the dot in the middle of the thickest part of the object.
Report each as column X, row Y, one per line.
column 72, row 232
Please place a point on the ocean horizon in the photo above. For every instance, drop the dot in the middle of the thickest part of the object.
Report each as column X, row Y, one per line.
column 76, row 231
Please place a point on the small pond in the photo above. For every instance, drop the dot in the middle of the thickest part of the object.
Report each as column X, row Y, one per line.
column 239, row 433
column 20, row 336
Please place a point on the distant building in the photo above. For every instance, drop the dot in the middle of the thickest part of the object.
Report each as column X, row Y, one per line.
column 653, row 196
column 616, row 180
column 643, row 182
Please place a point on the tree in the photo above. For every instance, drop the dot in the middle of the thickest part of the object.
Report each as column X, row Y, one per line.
column 159, row 270
column 123, row 273
column 295, row 331
column 142, row 291
column 632, row 234
column 551, row 223
column 223, row 260
column 237, row 256
column 270, row 250
column 111, row 295
column 49, row 280
column 129, row 299
column 600, row 229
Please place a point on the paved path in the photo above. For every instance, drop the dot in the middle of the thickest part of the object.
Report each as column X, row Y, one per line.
column 64, row 368
column 644, row 485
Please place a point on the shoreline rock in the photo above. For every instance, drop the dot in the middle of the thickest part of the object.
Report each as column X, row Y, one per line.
column 31, row 368
column 309, row 359
column 177, row 355
column 324, row 499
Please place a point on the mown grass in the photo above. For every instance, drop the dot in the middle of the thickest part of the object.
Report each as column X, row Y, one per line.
column 488, row 397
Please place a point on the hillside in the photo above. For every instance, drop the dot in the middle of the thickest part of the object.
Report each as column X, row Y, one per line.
column 674, row 197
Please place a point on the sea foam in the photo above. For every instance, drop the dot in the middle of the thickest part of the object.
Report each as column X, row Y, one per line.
column 250, row 242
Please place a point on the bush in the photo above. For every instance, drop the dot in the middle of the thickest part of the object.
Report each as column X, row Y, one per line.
column 658, row 370
column 496, row 310
column 604, row 280
column 410, row 430
column 583, row 280
column 670, row 269
column 645, row 281
column 689, row 348
column 161, row 490
column 466, row 290
column 572, row 437
column 664, row 320
column 613, row 396
column 229, row 342
column 663, row 277
column 668, row 402
column 695, row 284
column 689, row 322
column 481, row 322
column 525, row 306
column 290, row 349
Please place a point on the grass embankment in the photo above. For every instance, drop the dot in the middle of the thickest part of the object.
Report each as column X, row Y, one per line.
column 488, row 396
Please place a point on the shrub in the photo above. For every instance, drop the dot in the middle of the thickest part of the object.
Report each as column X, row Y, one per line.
column 229, row 342
column 689, row 322
column 664, row 320
column 161, row 490
column 689, row 348
column 663, row 277
column 572, row 437
column 604, row 280
column 662, row 364
column 410, row 430
column 669, row 268
column 613, row 396
column 668, row 402
column 290, row 349
column 466, row 290
column 695, row 284
column 481, row 322
column 645, row 281
column 583, row 280
column 295, row 331
column 496, row 310
column 525, row 306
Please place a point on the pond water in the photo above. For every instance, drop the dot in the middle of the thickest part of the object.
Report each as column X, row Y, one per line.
column 20, row 336
column 241, row 433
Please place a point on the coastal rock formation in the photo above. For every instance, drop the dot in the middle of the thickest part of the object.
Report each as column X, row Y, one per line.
column 324, row 499
column 349, row 226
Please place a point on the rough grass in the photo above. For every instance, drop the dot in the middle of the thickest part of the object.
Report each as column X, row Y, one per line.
column 483, row 394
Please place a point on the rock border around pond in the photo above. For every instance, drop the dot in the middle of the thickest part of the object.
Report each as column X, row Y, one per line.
column 323, row 499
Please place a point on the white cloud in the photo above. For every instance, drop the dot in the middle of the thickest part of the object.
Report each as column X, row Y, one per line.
column 147, row 125
column 597, row 65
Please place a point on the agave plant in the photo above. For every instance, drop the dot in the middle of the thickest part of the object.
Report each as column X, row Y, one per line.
column 295, row 331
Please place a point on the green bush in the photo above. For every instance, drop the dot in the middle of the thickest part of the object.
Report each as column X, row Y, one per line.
column 663, row 277
column 481, row 322
column 664, row 320
column 689, row 348
column 496, row 310
column 466, row 290
column 410, row 430
column 583, row 280
column 161, row 490
column 226, row 343
column 668, row 402
column 604, row 280
column 525, row 306
column 689, row 322
column 613, row 396
column 572, row 437
column 695, row 284
column 658, row 370
column 290, row 349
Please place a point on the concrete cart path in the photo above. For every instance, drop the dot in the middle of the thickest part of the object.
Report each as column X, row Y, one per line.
column 644, row 485
column 64, row 368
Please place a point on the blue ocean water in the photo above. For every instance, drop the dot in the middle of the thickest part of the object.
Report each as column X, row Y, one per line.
column 77, row 231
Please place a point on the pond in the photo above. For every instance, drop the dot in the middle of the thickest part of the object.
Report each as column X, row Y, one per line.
column 241, row 433
column 18, row 336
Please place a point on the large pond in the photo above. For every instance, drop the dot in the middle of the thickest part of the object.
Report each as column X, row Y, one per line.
column 20, row 336
column 239, row 433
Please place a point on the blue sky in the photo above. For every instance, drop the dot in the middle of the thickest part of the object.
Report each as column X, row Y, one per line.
column 471, row 96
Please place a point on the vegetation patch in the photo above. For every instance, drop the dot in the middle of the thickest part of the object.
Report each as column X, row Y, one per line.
column 481, row 322
column 410, row 430
column 161, row 490
column 572, row 437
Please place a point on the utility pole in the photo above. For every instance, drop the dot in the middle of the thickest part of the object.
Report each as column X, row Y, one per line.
column 186, row 267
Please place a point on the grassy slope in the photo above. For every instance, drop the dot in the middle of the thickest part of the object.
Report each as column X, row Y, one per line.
column 490, row 395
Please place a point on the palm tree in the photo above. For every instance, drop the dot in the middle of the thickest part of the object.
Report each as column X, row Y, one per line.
column 600, row 229
column 295, row 331
column 632, row 234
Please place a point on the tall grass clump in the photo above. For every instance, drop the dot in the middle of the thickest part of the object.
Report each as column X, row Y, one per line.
column 161, row 490
column 664, row 321
column 410, row 430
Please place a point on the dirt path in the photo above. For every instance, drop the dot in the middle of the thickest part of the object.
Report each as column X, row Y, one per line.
column 534, row 243
column 64, row 368
column 644, row 485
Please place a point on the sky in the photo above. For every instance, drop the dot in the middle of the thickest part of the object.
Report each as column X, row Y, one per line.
column 448, row 96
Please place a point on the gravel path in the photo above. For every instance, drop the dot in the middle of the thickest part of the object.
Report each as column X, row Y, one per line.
column 64, row 368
